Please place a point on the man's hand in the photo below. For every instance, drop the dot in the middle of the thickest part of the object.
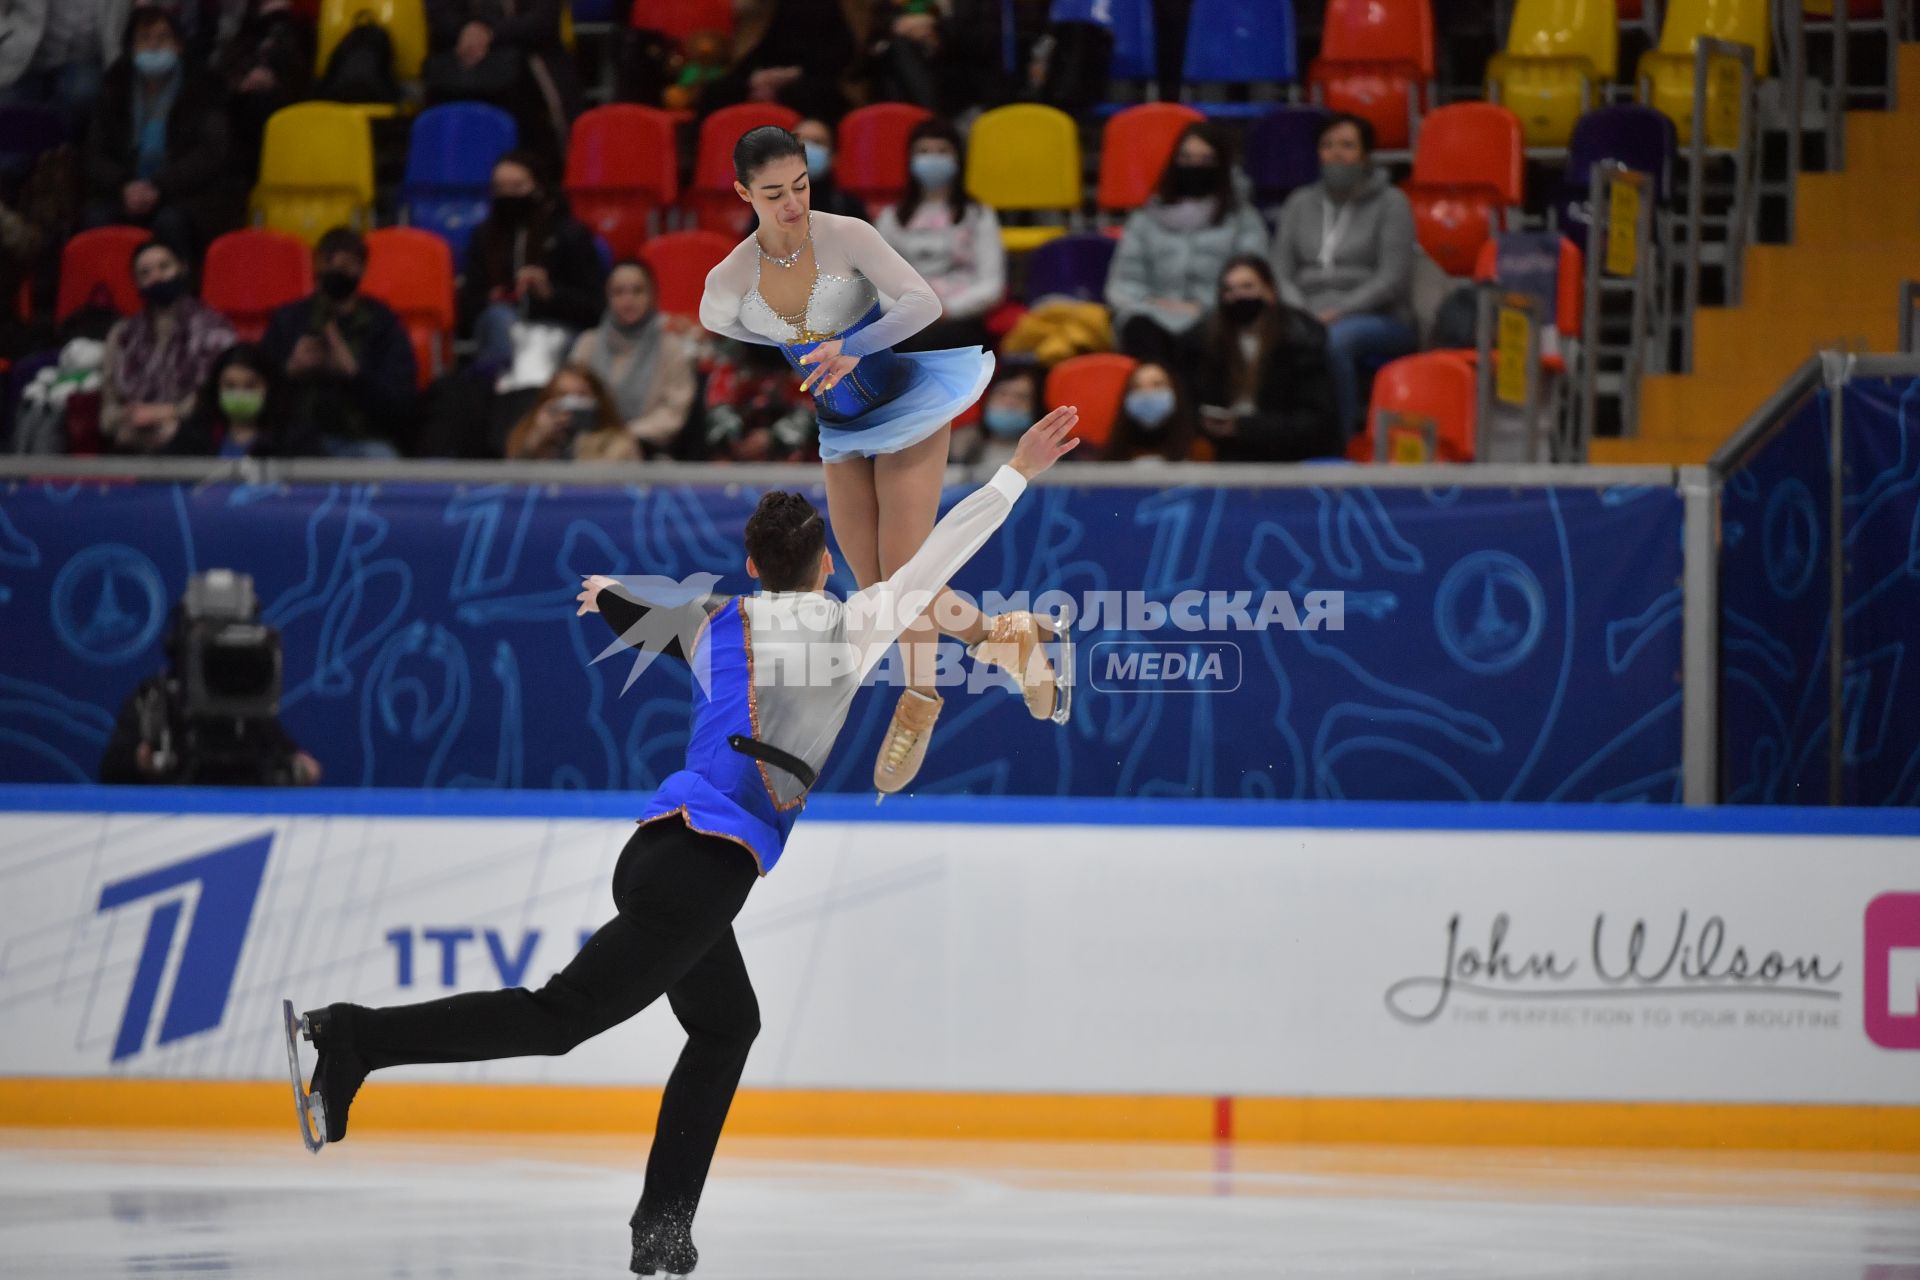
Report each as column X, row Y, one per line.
column 308, row 354
column 306, row 770
column 533, row 281
column 339, row 354
column 590, row 589
column 1046, row 442
column 475, row 42
column 258, row 80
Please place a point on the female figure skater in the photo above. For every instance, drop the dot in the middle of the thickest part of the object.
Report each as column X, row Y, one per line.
column 757, row 745
column 812, row 283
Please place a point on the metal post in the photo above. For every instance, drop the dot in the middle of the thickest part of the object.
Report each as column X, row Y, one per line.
column 1796, row 52
column 1836, row 369
column 1837, row 109
column 1700, row 638
column 1588, row 402
column 1647, row 263
column 1696, row 192
column 1909, row 300
column 1483, row 371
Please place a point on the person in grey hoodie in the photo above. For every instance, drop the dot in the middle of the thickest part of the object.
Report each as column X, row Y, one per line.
column 1162, row 281
column 1345, row 252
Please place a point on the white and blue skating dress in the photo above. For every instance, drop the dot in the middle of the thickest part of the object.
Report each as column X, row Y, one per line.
column 870, row 298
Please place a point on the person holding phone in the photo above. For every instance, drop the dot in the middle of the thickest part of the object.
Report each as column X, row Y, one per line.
column 1261, row 372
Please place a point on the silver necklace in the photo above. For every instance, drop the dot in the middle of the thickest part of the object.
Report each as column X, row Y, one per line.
column 792, row 260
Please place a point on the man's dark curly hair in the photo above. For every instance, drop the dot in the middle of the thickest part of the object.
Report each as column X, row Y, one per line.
column 785, row 536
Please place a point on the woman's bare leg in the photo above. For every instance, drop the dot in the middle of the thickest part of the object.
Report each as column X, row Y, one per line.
column 908, row 486
column 854, row 509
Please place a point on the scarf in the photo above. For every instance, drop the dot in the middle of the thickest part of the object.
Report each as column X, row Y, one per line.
column 162, row 359
column 150, row 112
column 625, row 363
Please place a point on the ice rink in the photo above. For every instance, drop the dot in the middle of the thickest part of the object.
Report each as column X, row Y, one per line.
column 100, row 1204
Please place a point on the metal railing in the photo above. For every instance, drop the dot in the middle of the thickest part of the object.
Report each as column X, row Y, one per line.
column 1708, row 54
column 1620, row 256
column 1909, row 317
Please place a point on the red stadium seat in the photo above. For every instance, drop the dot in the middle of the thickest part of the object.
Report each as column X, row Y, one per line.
column 250, row 273
column 1095, row 384
column 871, row 158
column 411, row 270
column 100, row 259
column 1376, row 62
column 1467, row 172
column 715, row 205
column 621, row 166
column 678, row 19
column 680, row 262
column 1134, row 149
column 1437, row 386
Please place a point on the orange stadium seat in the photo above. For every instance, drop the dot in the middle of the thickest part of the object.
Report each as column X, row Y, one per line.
column 1135, row 147
column 1437, row 387
column 1467, row 172
column 1095, row 384
column 871, row 151
column 715, row 205
column 621, row 167
column 680, row 262
column 250, row 273
column 411, row 270
column 1377, row 62
column 96, row 260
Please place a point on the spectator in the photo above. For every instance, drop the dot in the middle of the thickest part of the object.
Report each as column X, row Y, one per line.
column 951, row 240
column 348, row 358
column 573, row 418
column 242, row 412
column 642, row 359
column 1011, row 405
column 156, row 154
column 56, row 54
column 1156, row 420
column 797, row 52
column 509, row 53
column 158, row 358
column 755, row 410
column 1164, row 273
column 530, row 260
column 1265, row 391
column 825, row 195
column 268, row 65
column 913, row 58
column 1345, row 252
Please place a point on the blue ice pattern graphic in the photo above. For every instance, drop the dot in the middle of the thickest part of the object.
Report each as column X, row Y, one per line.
column 1511, row 644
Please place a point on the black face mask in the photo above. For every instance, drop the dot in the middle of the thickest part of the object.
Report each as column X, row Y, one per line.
column 1242, row 312
column 1192, row 181
column 513, row 211
column 163, row 293
column 339, row 285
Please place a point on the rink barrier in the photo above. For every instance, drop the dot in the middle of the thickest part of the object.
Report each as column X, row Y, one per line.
column 550, row 1109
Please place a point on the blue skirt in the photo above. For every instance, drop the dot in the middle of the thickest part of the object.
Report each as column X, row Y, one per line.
column 893, row 399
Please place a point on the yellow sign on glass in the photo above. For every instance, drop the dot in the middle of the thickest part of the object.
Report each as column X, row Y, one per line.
column 1623, row 228
column 1408, row 447
column 1514, row 342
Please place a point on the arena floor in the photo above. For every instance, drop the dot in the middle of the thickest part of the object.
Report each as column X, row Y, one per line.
column 112, row 1204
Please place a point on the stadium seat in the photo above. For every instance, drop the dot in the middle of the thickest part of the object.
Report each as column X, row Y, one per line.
column 1467, row 173
column 450, row 159
column 871, row 153
column 1135, row 147
column 1638, row 137
column 1559, row 57
column 1376, row 62
column 1283, row 151
column 316, row 170
column 678, row 19
column 100, row 259
column 680, row 262
column 1025, row 158
column 715, row 206
column 26, row 130
column 1665, row 76
column 1096, row 384
column 621, row 166
column 412, row 271
column 1435, row 386
column 405, row 22
column 249, row 273
column 1240, row 42
column 1512, row 260
column 1135, row 52
column 595, row 12
column 1071, row 266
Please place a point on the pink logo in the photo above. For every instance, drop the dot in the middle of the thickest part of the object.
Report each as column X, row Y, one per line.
column 1893, row 971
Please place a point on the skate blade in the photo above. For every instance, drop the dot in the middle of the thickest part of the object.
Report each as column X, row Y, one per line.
column 1063, row 670
column 307, row 1109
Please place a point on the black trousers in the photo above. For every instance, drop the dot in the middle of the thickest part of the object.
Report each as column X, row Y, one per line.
column 677, row 892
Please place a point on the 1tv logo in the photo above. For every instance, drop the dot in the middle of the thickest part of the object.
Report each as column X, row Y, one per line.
column 1892, row 996
column 228, row 883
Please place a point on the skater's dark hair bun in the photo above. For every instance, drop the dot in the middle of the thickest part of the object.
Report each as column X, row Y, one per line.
column 760, row 147
column 785, row 536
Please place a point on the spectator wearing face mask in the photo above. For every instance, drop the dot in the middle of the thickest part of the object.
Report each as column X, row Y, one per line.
column 1155, row 421
column 1345, row 253
column 348, row 359
column 574, row 419
column 1162, row 281
column 645, row 363
column 530, row 260
column 826, row 196
column 1011, row 405
column 1265, row 391
column 156, row 154
column 157, row 359
column 951, row 240
column 242, row 412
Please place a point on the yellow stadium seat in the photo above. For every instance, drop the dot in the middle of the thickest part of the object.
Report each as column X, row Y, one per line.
column 1559, row 55
column 1666, row 72
column 316, row 170
column 1025, row 158
column 405, row 21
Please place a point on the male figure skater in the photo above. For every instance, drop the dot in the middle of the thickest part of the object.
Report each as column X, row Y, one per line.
column 778, row 672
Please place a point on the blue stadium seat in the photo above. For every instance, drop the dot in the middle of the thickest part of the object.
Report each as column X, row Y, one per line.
column 1071, row 266
column 450, row 162
column 1636, row 136
column 1240, row 42
column 1135, row 56
column 1283, row 151
column 591, row 11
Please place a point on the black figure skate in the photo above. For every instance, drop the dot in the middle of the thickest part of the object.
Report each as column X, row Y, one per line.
column 664, row 1247
column 337, row 1075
